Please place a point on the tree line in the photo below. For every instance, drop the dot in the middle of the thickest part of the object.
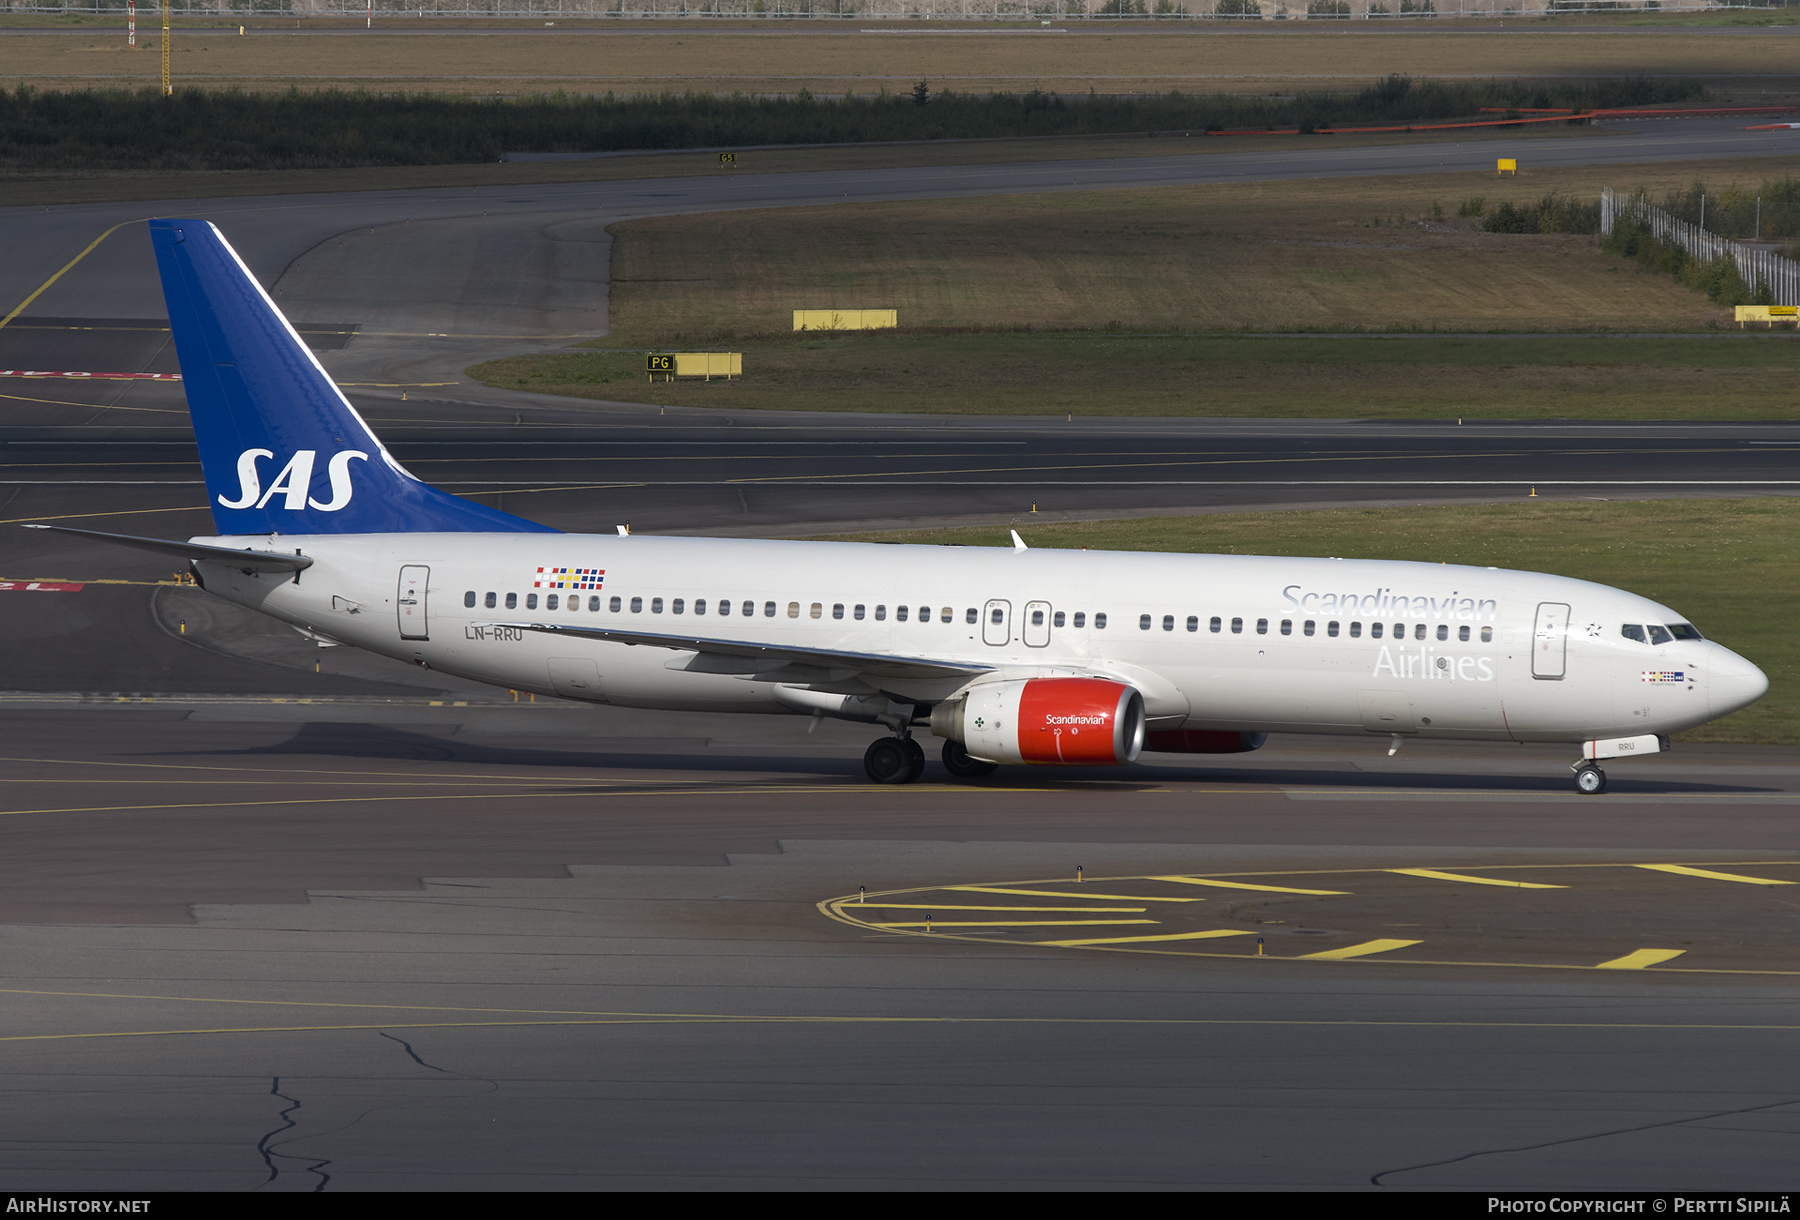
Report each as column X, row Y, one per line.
column 227, row 129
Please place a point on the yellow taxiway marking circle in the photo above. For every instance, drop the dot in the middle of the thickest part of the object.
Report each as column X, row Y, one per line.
column 1434, row 875
column 1244, row 885
column 1708, row 874
column 1363, row 950
column 1210, row 934
column 1000, row 889
column 1640, row 959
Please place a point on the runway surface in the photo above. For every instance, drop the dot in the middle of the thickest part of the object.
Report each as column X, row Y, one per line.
column 285, row 918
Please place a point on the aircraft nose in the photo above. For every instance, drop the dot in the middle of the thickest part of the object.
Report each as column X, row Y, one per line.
column 1733, row 682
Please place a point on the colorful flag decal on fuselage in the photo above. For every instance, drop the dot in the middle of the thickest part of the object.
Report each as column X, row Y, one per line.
column 569, row 578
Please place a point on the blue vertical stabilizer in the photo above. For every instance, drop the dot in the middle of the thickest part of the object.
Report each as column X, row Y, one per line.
column 282, row 448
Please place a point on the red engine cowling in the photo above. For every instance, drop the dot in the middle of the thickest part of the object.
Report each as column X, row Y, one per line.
column 1203, row 741
column 1088, row 722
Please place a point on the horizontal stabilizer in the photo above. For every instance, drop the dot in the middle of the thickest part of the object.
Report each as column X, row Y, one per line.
column 875, row 664
column 248, row 558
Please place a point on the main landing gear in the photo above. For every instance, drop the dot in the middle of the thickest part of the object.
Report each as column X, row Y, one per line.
column 900, row 760
column 958, row 763
column 894, row 760
column 1590, row 780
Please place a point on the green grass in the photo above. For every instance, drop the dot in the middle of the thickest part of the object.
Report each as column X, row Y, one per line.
column 1728, row 565
column 1329, row 254
column 1141, row 303
column 1146, row 375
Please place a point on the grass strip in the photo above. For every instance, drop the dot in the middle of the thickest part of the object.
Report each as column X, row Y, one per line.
column 1119, row 374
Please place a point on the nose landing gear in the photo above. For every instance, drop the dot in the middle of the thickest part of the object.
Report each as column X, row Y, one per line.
column 1590, row 780
column 894, row 760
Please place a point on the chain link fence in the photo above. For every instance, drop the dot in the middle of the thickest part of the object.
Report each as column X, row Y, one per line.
column 1756, row 265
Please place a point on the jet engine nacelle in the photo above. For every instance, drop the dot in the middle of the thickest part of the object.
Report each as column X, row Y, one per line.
column 1204, row 741
column 1088, row 722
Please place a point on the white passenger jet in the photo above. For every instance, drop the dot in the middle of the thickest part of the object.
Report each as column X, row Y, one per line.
column 1010, row 656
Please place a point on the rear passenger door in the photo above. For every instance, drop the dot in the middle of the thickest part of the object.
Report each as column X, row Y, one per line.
column 410, row 602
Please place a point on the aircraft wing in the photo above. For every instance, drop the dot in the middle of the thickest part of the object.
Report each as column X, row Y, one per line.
column 740, row 657
column 247, row 558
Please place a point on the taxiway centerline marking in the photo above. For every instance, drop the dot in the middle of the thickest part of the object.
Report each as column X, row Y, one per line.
column 43, row 287
column 945, row 906
column 997, row 889
column 752, row 1019
column 1007, row 923
column 92, row 406
column 1210, row 934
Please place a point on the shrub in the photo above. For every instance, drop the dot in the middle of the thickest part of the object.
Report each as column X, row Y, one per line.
column 1551, row 214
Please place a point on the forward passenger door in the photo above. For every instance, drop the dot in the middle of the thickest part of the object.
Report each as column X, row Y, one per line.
column 1550, row 641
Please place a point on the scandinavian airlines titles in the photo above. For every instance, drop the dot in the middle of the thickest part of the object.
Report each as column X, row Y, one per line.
column 1385, row 601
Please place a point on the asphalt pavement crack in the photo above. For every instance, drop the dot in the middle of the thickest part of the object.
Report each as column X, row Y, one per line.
column 408, row 1048
column 1376, row 1180
column 269, row 1155
column 493, row 1086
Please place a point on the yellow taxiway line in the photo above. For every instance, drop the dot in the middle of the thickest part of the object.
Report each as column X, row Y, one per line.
column 1434, row 875
column 1363, row 950
column 1640, row 959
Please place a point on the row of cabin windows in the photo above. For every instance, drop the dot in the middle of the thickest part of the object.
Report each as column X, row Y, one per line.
column 723, row 608
column 1420, row 631
column 946, row 614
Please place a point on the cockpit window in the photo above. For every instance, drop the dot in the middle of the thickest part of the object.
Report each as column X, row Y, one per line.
column 1633, row 631
column 1659, row 634
column 1685, row 631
